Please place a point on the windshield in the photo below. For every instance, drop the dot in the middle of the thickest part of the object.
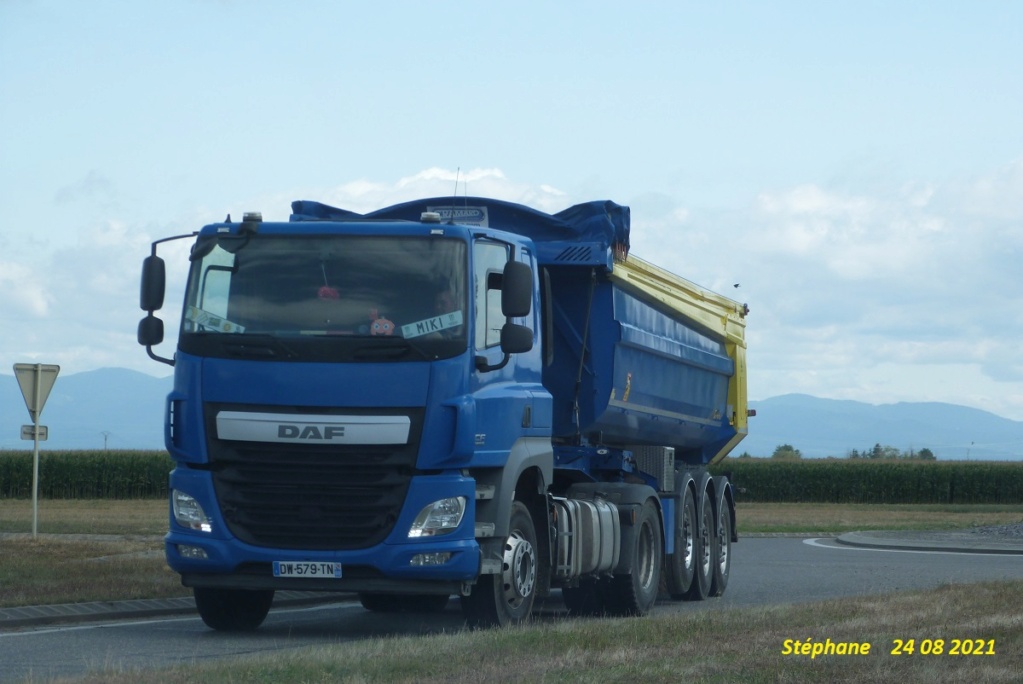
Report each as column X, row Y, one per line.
column 326, row 297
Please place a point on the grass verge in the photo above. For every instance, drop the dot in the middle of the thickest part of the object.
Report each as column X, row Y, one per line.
column 51, row 571
column 86, row 516
column 810, row 518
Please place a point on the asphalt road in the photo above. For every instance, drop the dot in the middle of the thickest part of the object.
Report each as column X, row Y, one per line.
column 764, row 571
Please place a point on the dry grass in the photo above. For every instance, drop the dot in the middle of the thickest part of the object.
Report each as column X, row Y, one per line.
column 49, row 571
column 57, row 569
column 86, row 516
column 839, row 518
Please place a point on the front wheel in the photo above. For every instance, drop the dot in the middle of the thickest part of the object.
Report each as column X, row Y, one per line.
column 507, row 598
column 233, row 610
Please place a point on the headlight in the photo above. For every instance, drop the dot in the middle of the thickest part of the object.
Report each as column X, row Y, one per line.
column 440, row 517
column 188, row 513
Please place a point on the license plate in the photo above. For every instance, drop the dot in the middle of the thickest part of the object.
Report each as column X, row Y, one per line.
column 307, row 569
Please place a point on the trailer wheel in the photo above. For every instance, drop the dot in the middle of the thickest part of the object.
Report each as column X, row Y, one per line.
column 722, row 551
column 680, row 566
column 507, row 598
column 704, row 549
column 635, row 593
column 233, row 610
column 397, row 603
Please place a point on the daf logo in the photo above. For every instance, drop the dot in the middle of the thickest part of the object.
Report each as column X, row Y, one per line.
column 251, row 426
column 310, row 432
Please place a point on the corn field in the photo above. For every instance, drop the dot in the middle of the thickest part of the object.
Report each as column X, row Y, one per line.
column 875, row 481
column 86, row 474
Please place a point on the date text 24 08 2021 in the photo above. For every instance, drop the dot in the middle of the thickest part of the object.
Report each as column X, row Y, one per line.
column 900, row 647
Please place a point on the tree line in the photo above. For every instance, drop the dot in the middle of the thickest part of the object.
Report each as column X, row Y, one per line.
column 787, row 452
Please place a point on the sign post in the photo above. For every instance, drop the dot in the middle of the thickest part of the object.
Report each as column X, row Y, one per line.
column 36, row 380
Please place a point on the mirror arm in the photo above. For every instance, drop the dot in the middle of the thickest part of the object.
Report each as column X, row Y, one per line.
column 155, row 357
column 483, row 367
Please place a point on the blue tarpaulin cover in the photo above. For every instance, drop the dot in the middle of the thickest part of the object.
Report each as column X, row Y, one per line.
column 583, row 234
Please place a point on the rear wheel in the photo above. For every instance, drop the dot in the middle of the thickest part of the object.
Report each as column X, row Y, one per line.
column 722, row 551
column 507, row 598
column 233, row 610
column 680, row 566
column 703, row 550
column 635, row 593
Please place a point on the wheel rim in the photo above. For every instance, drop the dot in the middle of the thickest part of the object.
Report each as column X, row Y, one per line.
column 688, row 544
column 705, row 537
column 519, row 574
column 723, row 544
column 646, row 555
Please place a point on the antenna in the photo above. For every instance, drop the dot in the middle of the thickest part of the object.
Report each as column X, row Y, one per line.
column 458, row 172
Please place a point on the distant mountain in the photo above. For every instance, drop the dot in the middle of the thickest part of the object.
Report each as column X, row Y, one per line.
column 128, row 406
column 829, row 427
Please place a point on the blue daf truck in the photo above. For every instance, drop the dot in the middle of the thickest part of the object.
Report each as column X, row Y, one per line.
column 453, row 396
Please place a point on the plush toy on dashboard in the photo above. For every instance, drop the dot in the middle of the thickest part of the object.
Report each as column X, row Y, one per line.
column 379, row 324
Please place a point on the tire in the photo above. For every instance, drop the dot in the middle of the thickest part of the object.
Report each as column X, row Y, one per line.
column 398, row 603
column 233, row 610
column 635, row 593
column 680, row 566
column 703, row 549
column 507, row 599
column 722, row 553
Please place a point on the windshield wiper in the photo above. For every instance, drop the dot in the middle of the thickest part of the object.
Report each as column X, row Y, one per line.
column 389, row 348
column 258, row 347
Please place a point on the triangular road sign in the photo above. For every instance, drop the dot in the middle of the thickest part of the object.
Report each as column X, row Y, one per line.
column 36, row 381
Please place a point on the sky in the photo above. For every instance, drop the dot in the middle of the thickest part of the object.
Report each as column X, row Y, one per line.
column 853, row 171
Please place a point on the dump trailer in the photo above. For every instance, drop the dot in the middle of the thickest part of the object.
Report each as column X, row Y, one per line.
column 454, row 396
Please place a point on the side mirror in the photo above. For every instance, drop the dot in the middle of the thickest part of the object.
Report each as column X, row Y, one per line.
column 516, row 290
column 150, row 331
column 154, row 280
column 516, row 339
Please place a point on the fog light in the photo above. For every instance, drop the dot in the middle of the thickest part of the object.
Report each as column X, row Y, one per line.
column 192, row 552
column 437, row 558
column 440, row 517
column 188, row 513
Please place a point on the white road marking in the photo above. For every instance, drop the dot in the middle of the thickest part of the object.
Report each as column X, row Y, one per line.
column 815, row 542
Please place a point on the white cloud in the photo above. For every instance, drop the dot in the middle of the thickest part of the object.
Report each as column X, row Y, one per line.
column 364, row 196
column 23, row 291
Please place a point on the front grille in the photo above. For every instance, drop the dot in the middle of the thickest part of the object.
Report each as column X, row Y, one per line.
column 310, row 496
